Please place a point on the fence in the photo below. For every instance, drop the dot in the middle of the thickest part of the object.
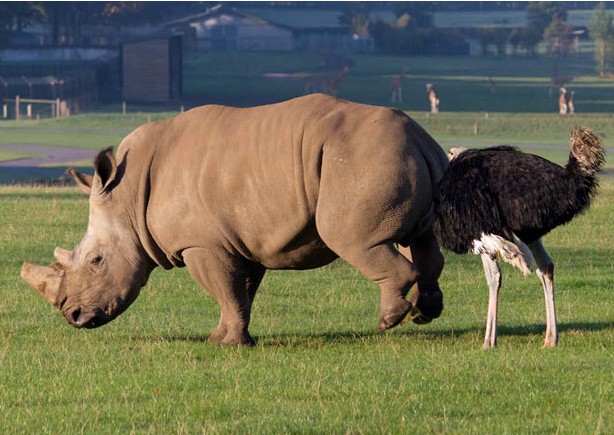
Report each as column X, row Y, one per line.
column 47, row 96
column 56, row 108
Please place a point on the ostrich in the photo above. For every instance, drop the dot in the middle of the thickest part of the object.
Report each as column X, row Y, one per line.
column 498, row 203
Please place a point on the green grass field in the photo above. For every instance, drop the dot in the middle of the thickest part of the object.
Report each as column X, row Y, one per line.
column 522, row 83
column 319, row 366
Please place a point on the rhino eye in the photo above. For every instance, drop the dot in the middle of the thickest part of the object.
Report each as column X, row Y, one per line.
column 96, row 262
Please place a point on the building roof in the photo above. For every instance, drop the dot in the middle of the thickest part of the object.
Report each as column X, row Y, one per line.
column 483, row 19
column 299, row 19
column 290, row 18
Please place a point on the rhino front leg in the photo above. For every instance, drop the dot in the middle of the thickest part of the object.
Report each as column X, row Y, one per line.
column 233, row 282
column 252, row 282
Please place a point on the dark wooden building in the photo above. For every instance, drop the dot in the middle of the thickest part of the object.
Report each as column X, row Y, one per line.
column 152, row 70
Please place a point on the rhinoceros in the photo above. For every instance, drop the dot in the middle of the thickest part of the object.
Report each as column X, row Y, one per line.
column 231, row 192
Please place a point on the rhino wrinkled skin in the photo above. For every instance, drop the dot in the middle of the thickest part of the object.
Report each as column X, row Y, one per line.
column 231, row 192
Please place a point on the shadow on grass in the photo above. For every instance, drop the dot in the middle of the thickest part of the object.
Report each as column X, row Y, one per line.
column 536, row 329
column 366, row 336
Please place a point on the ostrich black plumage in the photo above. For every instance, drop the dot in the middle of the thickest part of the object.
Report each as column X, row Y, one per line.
column 498, row 202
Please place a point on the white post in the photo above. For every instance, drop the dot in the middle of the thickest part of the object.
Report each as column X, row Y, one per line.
column 17, row 107
column 5, row 111
column 58, row 112
column 123, row 107
column 29, row 110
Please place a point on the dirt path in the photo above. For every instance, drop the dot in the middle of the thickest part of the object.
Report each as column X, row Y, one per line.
column 47, row 168
column 47, row 155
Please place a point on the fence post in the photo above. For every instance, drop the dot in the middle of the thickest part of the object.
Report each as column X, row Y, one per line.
column 29, row 110
column 5, row 111
column 57, row 108
column 17, row 107
column 123, row 107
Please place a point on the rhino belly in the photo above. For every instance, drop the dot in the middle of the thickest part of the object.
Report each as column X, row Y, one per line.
column 304, row 250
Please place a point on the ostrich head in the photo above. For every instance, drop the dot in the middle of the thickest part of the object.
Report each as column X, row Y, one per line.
column 454, row 152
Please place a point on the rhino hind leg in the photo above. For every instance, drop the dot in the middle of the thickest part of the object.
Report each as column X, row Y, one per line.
column 426, row 296
column 379, row 261
column 233, row 283
column 367, row 201
column 394, row 274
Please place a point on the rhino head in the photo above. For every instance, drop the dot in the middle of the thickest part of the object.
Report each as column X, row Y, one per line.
column 103, row 275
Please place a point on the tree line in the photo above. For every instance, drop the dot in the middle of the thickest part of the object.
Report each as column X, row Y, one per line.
column 413, row 32
column 66, row 18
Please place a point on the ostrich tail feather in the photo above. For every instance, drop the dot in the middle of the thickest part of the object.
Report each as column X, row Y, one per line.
column 515, row 253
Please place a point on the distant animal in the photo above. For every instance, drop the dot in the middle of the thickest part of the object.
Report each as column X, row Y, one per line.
column 433, row 98
column 562, row 101
column 331, row 85
column 570, row 105
column 498, row 202
column 313, row 83
column 231, row 192
column 557, row 81
column 396, row 86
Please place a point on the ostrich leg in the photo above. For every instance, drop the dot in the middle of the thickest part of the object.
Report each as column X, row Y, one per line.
column 493, row 277
column 545, row 272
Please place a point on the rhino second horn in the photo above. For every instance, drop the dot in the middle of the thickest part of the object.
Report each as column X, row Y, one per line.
column 63, row 256
column 44, row 280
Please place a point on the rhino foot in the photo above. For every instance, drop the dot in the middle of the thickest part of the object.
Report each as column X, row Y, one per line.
column 394, row 315
column 222, row 337
column 430, row 305
column 218, row 334
column 241, row 340
column 418, row 318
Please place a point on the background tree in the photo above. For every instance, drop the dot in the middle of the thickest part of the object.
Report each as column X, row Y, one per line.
column 601, row 30
column 541, row 14
column 492, row 40
column 15, row 16
column 559, row 36
column 515, row 39
column 411, row 33
column 356, row 16
column 529, row 38
column 539, row 17
column 418, row 13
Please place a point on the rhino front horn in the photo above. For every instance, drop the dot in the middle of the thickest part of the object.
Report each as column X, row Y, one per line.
column 45, row 280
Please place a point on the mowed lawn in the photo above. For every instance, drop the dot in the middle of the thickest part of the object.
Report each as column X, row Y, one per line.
column 319, row 366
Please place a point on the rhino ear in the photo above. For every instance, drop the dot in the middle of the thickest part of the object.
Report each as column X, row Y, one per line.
column 105, row 167
column 84, row 181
